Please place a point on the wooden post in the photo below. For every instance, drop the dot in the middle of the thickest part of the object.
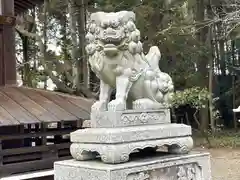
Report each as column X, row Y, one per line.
column 39, row 141
column 21, row 131
column 58, row 138
column 1, row 7
column 28, row 141
column 44, row 129
column 7, row 45
column 2, row 76
column 1, row 157
column 79, row 124
column 52, row 152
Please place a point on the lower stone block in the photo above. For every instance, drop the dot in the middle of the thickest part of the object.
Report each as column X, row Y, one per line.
column 193, row 166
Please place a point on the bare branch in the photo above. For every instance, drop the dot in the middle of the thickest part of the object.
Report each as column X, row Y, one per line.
column 55, row 79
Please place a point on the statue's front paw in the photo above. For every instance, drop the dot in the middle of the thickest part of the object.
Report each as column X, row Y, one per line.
column 117, row 105
column 99, row 106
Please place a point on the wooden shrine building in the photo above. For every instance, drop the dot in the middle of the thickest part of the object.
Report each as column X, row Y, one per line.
column 34, row 124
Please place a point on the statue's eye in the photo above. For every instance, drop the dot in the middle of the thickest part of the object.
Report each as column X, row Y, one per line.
column 92, row 28
column 114, row 24
column 97, row 30
column 104, row 24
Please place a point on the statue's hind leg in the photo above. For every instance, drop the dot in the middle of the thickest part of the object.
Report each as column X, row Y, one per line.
column 149, row 100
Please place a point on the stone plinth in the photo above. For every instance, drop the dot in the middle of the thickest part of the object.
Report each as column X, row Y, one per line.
column 104, row 119
column 130, row 134
column 193, row 166
column 114, row 145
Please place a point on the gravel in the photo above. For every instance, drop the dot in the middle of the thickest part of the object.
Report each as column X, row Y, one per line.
column 225, row 163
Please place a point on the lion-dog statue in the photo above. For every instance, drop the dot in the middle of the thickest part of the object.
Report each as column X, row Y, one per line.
column 116, row 56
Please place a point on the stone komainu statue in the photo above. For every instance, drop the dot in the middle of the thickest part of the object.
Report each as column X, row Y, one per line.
column 116, row 56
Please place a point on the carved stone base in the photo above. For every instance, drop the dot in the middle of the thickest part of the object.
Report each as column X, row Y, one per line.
column 129, row 118
column 114, row 145
column 193, row 166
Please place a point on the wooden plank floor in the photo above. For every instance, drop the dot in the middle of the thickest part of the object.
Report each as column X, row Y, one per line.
column 21, row 105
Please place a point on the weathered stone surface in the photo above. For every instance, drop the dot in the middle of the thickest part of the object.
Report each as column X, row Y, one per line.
column 130, row 134
column 114, row 145
column 194, row 166
column 116, row 55
column 119, row 153
column 101, row 119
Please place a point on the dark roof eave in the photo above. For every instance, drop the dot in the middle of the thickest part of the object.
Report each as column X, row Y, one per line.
column 21, row 6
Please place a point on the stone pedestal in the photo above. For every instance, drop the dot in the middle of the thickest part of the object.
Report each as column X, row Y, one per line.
column 115, row 135
column 124, row 145
column 193, row 166
column 114, row 145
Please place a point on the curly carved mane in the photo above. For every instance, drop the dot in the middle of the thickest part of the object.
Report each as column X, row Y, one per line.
column 128, row 37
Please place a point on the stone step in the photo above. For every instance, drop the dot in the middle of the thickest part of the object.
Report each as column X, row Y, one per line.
column 192, row 166
column 114, row 145
column 130, row 134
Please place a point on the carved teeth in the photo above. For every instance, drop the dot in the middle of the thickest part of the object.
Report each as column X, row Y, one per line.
column 109, row 45
column 111, row 41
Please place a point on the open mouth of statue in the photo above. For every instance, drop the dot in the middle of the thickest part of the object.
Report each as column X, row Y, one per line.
column 111, row 40
column 111, row 45
column 110, row 49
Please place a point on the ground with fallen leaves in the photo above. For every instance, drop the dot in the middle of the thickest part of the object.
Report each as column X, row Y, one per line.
column 225, row 163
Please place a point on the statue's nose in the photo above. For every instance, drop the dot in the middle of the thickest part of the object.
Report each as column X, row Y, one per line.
column 110, row 31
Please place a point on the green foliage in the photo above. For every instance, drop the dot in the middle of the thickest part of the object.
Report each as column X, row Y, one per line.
column 194, row 97
column 219, row 139
column 171, row 27
column 116, row 5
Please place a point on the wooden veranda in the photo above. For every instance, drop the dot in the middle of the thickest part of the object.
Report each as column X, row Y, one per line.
column 34, row 124
column 34, row 127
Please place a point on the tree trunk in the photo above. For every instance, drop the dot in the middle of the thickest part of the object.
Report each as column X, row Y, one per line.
column 222, row 57
column 27, row 78
column 45, row 39
column 235, row 123
column 210, row 87
column 203, row 60
column 83, row 63
column 26, row 69
column 211, row 67
column 74, row 50
column 67, row 77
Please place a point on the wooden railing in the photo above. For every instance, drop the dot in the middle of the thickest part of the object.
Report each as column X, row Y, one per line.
column 36, row 151
column 21, row 160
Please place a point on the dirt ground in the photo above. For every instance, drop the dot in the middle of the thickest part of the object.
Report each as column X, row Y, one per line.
column 225, row 164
